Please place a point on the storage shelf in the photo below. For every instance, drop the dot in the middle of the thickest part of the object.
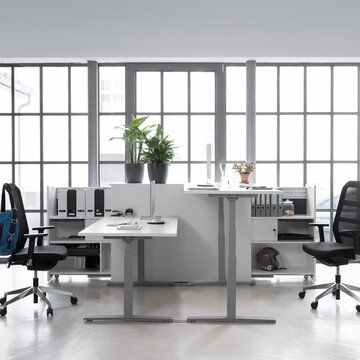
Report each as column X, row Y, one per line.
column 296, row 217
column 74, row 218
column 299, row 242
column 71, row 271
column 289, row 271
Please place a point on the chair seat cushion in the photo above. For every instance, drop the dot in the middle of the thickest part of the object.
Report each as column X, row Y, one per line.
column 43, row 255
column 325, row 250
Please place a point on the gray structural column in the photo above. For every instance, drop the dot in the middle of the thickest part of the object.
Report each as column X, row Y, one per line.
column 251, row 113
column 93, row 123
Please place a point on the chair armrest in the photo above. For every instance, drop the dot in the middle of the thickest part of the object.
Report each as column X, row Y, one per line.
column 31, row 248
column 39, row 228
column 321, row 230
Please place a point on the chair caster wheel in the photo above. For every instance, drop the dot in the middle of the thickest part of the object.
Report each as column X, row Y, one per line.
column 301, row 294
column 358, row 308
column 3, row 300
column 334, row 292
column 3, row 312
column 73, row 300
column 314, row 305
column 49, row 312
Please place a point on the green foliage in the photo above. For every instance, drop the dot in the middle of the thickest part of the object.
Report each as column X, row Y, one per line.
column 244, row 167
column 159, row 148
column 134, row 135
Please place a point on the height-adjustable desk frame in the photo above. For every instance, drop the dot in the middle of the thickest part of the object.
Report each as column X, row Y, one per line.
column 232, row 196
column 101, row 229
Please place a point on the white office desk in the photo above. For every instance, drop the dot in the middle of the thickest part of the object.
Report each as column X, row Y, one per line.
column 232, row 195
column 102, row 230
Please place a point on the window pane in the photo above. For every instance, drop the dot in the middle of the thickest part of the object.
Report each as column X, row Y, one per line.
column 79, row 138
column 202, row 90
column 199, row 173
column 6, row 137
column 5, row 174
column 266, row 89
column 236, row 138
column 27, row 138
column 56, row 138
column 266, row 137
column 318, row 137
column 79, row 89
column 318, row 88
column 342, row 174
column 291, row 88
column 111, row 173
column 151, row 120
column 148, row 91
column 319, row 175
column 113, row 150
column 55, row 89
column 202, row 133
column 178, row 174
column 291, row 137
column 79, row 175
column 175, row 91
column 27, row 178
column 235, row 89
column 33, row 220
column 345, row 88
column 345, row 137
column 176, row 127
column 56, row 175
column 112, row 88
column 291, row 175
column 27, row 85
column 5, row 91
column 266, row 174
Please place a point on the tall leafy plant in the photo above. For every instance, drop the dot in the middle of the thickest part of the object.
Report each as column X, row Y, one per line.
column 159, row 149
column 134, row 135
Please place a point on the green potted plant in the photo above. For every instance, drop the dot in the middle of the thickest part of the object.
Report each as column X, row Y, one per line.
column 244, row 169
column 134, row 135
column 158, row 154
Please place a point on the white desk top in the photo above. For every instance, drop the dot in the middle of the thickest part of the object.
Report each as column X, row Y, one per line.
column 241, row 191
column 101, row 228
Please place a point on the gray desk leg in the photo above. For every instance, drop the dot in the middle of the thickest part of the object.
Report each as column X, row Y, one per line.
column 231, row 283
column 141, row 260
column 221, row 243
column 128, row 295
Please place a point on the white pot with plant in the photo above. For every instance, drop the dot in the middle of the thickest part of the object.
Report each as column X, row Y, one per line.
column 244, row 169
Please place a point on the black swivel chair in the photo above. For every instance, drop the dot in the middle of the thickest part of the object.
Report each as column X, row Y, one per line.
column 37, row 257
column 346, row 229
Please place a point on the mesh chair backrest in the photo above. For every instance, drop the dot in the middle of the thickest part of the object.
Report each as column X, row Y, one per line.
column 347, row 217
column 16, row 202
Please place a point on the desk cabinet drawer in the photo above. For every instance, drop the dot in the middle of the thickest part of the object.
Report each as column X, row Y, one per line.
column 264, row 230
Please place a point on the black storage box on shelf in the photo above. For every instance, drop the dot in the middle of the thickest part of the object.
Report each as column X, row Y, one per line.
column 91, row 252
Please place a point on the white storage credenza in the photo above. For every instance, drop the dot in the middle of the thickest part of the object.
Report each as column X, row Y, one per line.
column 287, row 234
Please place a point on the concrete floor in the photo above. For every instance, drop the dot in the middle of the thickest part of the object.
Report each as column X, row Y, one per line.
column 330, row 332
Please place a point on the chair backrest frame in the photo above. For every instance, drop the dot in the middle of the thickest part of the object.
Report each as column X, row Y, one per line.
column 16, row 202
column 347, row 216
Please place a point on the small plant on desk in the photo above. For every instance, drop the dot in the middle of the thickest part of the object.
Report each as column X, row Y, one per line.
column 244, row 169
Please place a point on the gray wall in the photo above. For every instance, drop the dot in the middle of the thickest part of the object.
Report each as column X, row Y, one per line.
column 175, row 29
